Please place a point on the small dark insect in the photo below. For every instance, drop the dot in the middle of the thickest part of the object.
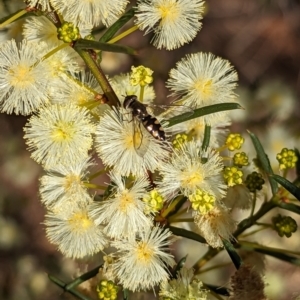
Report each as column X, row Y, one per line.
column 140, row 112
column 150, row 123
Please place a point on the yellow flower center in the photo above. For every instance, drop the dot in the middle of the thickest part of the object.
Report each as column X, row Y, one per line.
column 71, row 181
column 191, row 178
column 126, row 201
column 204, row 86
column 82, row 98
column 64, row 131
column 144, row 252
column 21, row 76
column 80, row 222
column 169, row 11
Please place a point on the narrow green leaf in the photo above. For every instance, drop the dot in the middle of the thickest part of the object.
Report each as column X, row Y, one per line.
column 4, row 19
column 84, row 277
column 200, row 112
column 294, row 190
column 274, row 252
column 206, row 138
column 290, row 207
column 180, row 200
column 264, row 160
column 71, row 291
column 187, row 234
column 237, row 261
column 179, row 266
column 125, row 294
column 112, row 30
column 88, row 44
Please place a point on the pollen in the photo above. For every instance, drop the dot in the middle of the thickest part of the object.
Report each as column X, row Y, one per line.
column 191, row 178
column 169, row 11
column 80, row 222
column 63, row 132
column 126, row 201
column 71, row 180
column 21, row 76
column 204, row 86
column 144, row 252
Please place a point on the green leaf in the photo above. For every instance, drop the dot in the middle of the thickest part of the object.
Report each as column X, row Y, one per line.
column 200, row 112
column 187, row 234
column 89, row 44
column 290, row 207
column 274, row 252
column 294, row 190
column 84, row 277
column 264, row 160
column 206, row 138
column 179, row 266
column 112, row 30
column 125, row 294
column 298, row 162
column 71, row 291
column 237, row 261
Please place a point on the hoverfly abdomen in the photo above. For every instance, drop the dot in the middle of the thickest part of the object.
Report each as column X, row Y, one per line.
column 140, row 112
column 154, row 128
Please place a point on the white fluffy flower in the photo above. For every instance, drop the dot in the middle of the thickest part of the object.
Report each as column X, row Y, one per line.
column 174, row 22
column 90, row 11
column 216, row 225
column 64, row 185
column 75, row 233
column 201, row 79
column 23, row 79
column 122, row 214
column 115, row 145
column 143, row 261
column 191, row 169
column 40, row 29
column 59, row 134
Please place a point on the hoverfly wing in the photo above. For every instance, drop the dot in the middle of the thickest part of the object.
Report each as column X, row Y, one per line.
column 140, row 141
column 169, row 110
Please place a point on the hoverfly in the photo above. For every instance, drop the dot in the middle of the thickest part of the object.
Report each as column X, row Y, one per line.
column 139, row 111
column 150, row 123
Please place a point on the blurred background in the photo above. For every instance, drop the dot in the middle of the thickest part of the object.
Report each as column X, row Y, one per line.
column 261, row 38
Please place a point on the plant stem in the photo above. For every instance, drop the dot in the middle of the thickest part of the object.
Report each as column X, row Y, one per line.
column 142, row 89
column 242, row 226
column 212, row 252
column 171, row 207
column 95, row 186
column 253, row 204
column 91, row 177
column 254, row 231
column 54, row 50
column 13, row 18
column 100, row 77
column 247, row 223
column 123, row 34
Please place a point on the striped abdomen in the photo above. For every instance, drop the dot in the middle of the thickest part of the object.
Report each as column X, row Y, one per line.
column 153, row 126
